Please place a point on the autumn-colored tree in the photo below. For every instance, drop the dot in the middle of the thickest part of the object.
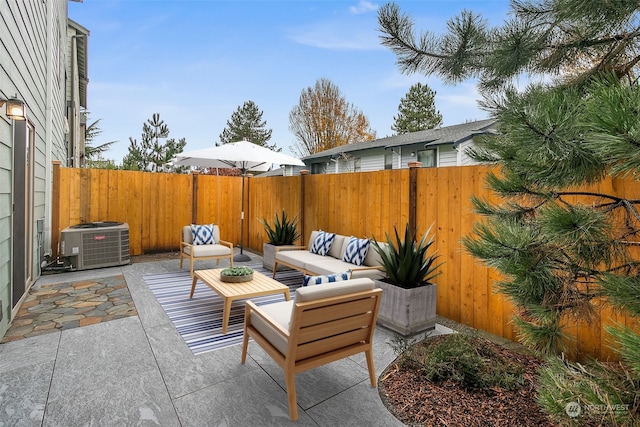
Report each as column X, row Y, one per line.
column 323, row 119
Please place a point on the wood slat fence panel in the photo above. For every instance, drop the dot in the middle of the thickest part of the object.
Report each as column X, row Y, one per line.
column 367, row 204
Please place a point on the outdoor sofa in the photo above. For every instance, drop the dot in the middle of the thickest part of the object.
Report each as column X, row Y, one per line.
column 345, row 253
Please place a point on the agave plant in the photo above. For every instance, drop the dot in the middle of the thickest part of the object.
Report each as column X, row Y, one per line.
column 284, row 230
column 407, row 262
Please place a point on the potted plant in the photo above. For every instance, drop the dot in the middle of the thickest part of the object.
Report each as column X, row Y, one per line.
column 236, row 274
column 408, row 302
column 284, row 232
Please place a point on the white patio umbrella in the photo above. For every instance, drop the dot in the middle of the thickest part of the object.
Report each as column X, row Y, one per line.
column 244, row 155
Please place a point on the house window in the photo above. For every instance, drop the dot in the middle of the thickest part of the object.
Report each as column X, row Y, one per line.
column 427, row 158
column 356, row 165
column 388, row 161
column 318, row 168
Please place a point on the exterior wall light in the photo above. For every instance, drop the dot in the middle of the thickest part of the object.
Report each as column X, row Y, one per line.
column 15, row 108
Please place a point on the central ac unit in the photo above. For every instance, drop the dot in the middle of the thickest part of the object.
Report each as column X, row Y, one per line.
column 96, row 244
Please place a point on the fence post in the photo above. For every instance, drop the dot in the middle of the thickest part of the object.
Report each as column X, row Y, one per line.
column 303, row 175
column 55, row 208
column 413, row 194
column 194, row 197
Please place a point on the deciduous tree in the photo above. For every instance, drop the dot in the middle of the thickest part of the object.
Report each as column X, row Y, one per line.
column 323, row 119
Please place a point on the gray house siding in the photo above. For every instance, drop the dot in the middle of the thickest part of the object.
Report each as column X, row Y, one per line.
column 447, row 144
column 32, row 66
column 465, row 160
column 447, row 156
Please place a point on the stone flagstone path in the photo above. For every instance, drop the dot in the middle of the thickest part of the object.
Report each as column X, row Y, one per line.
column 69, row 305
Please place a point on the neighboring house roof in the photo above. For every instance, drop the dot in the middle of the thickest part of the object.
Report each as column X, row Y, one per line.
column 444, row 135
column 272, row 172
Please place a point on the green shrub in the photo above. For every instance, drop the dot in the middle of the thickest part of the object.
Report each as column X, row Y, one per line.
column 470, row 361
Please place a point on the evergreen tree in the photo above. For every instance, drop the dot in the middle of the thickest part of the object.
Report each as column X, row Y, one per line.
column 151, row 154
column 559, row 249
column 93, row 153
column 417, row 111
column 246, row 124
column 323, row 119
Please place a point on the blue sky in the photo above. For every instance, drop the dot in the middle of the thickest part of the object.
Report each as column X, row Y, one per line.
column 196, row 61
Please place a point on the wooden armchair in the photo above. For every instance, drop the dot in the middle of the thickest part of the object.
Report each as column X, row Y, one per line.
column 219, row 250
column 324, row 323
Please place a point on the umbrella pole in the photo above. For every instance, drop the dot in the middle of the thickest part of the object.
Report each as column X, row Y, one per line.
column 242, row 257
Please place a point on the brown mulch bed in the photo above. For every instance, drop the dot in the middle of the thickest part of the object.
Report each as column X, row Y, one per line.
column 414, row 400
column 152, row 257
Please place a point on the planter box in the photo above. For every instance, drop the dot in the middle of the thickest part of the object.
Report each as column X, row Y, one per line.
column 407, row 311
column 269, row 257
column 236, row 279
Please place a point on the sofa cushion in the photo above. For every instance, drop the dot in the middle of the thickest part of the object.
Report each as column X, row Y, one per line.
column 356, row 250
column 279, row 312
column 322, row 243
column 203, row 234
column 371, row 273
column 373, row 258
column 337, row 249
column 330, row 278
column 327, row 265
column 327, row 290
column 300, row 259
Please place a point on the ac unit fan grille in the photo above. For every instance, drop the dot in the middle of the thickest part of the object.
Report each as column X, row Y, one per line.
column 104, row 247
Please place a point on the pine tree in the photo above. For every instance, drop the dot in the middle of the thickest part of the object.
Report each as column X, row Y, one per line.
column 151, row 154
column 93, row 153
column 558, row 249
column 417, row 111
column 246, row 124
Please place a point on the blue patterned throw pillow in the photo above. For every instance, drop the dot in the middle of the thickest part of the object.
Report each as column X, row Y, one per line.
column 356, row 251
column 322, row 243
column 202, row 234
column 335, row 277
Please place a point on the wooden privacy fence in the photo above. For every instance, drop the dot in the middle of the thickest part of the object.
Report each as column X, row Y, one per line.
column 367, row 204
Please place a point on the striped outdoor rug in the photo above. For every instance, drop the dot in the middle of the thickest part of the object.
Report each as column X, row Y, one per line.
column 199, row 320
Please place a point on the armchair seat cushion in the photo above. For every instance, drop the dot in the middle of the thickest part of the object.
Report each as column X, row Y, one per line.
column 207, row 250
column 328, row 290
column 280, row 312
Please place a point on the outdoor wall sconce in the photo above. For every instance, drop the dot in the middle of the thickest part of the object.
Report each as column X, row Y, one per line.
column 15, row 107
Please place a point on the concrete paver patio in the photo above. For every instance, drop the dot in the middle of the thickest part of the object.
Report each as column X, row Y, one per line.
column 137, row 370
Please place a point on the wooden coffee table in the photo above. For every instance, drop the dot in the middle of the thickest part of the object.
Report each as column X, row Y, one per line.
column 229, row 292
